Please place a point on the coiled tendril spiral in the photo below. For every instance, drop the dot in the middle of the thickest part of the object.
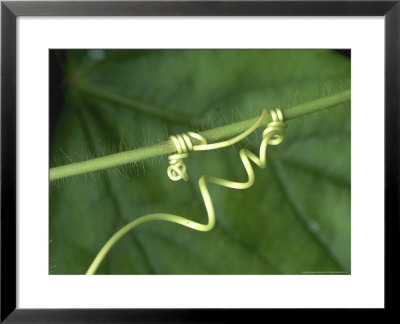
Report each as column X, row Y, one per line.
column 273, row 134
column 183, row 144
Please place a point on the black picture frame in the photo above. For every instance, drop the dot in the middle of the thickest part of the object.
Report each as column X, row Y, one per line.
column 10, row 10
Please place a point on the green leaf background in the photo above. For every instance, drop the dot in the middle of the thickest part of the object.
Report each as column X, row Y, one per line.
column 294, row 220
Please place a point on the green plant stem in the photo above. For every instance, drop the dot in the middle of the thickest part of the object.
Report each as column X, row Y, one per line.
column 211, row 135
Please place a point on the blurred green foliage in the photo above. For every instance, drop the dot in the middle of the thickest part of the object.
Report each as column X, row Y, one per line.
column 295, row 219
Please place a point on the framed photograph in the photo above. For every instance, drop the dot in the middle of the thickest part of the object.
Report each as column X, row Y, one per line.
column 194, row 161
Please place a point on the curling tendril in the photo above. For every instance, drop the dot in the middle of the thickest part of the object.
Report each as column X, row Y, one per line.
column 273, row 134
